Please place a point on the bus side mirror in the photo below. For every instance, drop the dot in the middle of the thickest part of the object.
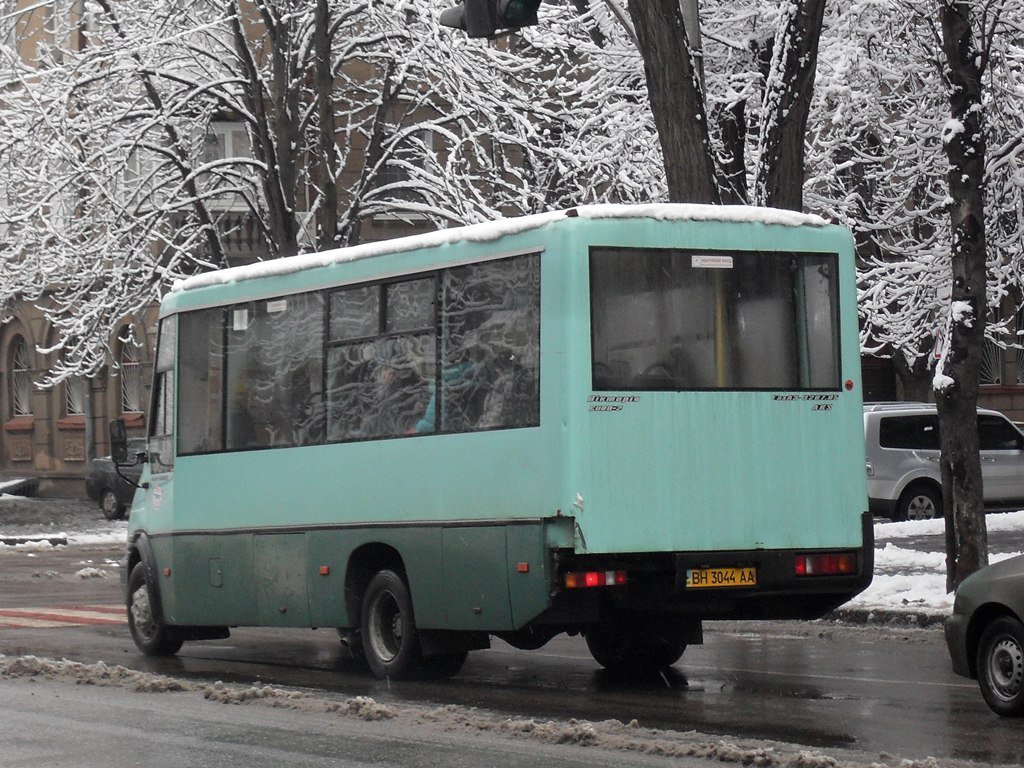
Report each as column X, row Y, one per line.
column 118, row 442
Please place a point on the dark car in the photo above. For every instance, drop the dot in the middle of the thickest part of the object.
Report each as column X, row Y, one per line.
column 113, row 492
column 985, row 634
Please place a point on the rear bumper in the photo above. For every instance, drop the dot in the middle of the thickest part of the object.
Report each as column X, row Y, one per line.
column 657, row 584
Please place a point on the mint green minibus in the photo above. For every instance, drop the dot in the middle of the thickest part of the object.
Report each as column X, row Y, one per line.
column 613, row 421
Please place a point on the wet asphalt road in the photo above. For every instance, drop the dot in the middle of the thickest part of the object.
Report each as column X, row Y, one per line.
column 886, row 692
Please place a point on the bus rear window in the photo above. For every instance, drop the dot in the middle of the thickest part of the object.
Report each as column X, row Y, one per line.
column 669, row 319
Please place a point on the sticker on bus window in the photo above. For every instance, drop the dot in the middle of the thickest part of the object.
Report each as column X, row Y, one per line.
column 240, row 320
column 706, row 261
column 277, row 307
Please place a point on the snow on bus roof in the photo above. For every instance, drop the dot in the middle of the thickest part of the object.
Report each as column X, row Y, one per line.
column 493, row 230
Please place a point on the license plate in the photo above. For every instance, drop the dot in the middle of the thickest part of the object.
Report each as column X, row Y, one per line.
column 701, row 578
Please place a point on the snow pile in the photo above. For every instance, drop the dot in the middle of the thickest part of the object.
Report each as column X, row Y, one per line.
column 100, row 538
column 91, row 573
column 88, row 674
column 361, row 707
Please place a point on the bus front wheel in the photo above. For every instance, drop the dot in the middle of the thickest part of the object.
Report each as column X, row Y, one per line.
column 618, row 647
column 151, row 635
column 390, row 642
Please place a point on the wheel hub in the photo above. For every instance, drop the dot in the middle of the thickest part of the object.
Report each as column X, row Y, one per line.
column 142, row 613
column 386, row 626
column 920, row 508
column 1006, row 668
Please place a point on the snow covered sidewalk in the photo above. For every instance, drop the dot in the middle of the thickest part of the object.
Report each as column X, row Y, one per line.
column 910, row 569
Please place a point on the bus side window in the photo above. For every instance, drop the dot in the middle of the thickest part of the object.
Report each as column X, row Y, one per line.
column 200, row 382
column 380, row 359
column 491, row 345
column 273, row 373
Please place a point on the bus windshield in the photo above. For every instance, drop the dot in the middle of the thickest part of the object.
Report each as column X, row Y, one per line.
column 667, row 319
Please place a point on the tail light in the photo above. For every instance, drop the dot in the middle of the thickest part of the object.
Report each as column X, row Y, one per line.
column 584, row 579
column 829, row 564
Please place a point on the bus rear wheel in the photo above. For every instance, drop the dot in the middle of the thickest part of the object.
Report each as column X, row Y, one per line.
column 389, row 638
column 620, row 648
column 444, row 665
column 151, row 635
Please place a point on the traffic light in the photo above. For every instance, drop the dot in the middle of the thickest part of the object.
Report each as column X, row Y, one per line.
column 484, row 18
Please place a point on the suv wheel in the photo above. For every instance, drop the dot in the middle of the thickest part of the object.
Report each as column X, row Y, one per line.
column 919, row 502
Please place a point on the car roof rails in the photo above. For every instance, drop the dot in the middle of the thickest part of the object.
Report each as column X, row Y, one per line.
column 898, row 406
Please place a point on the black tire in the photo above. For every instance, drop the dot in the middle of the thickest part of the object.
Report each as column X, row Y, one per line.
column 620, row 648
column 445, row 665
column 919, row 502
column 151, row 636
column 110, row 506
column 388, row 629
column 1001, row 666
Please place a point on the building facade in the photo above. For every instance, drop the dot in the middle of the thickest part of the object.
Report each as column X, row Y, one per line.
column 50, row 433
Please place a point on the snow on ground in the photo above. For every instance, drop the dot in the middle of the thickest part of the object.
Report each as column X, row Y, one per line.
column 909, row 580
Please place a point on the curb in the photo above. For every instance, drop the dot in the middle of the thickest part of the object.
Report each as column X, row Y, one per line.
column 13, row 541
column 863, row 616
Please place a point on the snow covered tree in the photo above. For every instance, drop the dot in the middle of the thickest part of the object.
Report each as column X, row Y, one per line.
column 775, row 69
column 147, row 146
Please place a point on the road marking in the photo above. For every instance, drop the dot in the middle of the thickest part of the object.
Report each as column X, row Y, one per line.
column 61, row 616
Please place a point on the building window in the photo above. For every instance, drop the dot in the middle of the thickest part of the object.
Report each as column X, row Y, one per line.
column 226, row 141
column 74, row 396
column 990, row 372
column 399, row 181
column 132, row 396
column 21, row 378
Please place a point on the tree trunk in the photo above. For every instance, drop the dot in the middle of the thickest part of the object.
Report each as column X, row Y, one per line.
column 327, row 163
column 916, row 379
column 788, row 91
column 956, row 381
column 677, row 101
column 732, row 124
column 273, row 132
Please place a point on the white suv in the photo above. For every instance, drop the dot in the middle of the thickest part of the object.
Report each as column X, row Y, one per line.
column 903, row 460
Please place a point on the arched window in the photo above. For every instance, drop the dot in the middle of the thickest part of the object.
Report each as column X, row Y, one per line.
column 130, row 364
column 21, row 378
